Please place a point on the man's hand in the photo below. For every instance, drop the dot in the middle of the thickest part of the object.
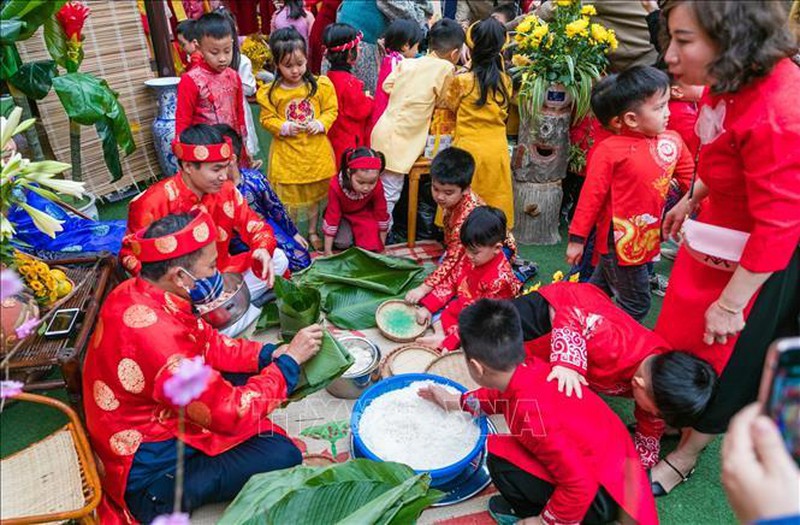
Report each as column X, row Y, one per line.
column 759, row 476
column 574, row 253
column 568, row 378
column 423, row 316
column 415, row 296
column 305, row 344
column 439, row 395
column 267, row 266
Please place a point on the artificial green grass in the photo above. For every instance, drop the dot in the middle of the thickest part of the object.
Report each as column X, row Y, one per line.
column 701, row 501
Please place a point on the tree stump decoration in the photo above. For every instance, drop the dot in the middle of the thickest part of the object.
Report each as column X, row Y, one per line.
column 539, row 164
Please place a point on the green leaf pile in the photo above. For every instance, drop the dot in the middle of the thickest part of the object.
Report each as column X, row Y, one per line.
column 355, row 282
column 358, row 492
column 298, row 306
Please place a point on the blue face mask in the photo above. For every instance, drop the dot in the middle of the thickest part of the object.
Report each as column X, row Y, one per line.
column 206, row 290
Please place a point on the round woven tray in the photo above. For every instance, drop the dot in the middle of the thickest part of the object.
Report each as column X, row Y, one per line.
column 408, row 359
column 453, row 366
column 397, row 321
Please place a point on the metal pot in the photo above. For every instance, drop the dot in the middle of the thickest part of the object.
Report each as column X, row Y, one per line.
column 351, row 385
column 230, row 311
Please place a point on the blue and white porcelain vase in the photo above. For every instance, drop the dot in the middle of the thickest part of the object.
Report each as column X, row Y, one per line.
column 163, row 127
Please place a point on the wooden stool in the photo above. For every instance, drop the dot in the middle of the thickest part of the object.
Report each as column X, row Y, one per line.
column 421, row 167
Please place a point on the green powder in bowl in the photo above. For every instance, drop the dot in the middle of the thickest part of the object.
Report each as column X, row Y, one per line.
column 397, row 321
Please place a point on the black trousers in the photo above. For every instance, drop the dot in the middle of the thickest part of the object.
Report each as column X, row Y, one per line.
column 528, row 494
column 774, row 315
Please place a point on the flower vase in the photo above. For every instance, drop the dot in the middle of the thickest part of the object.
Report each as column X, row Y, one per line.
column 163, row 127
column 557, row 97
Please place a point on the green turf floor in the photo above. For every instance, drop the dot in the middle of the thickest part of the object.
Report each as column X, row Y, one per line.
column 699, row 502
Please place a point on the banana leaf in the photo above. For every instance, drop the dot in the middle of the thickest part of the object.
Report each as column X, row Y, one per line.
column 341, row 493
column 298, row 306
column 355, row 282
column 318, row 372
column 268, row 318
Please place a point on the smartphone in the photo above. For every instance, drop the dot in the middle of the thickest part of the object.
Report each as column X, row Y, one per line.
column 780, row 391
column 62, row 323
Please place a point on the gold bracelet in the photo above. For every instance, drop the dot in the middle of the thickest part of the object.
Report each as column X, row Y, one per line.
column 727, row 309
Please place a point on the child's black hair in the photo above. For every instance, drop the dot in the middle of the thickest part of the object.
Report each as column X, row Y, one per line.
column 355, row 153
column 402, row 32
column 283, row 43
column 236, row 139
column 619, row 93
column 201, row 135
column 337, row 35
column 488, row 39
column 484, row 226
column 682, row 386
column 491, row 333
column 296, row 9
column 453, row 166
column 187, row 29
column 509, row 11
column 445, row 36
column 215, row 25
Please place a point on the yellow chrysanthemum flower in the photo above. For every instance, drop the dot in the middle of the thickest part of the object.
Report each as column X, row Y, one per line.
column 520, row 60
column 575, row 277
column 564, row 3
column 611, row 39
column 578, row 27
column 540, row 31
column 588, row 10
column 526, row 25
column 36, row 286
column 599, row 33
column 558, row 276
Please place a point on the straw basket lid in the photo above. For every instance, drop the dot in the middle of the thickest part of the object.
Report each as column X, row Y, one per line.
column 408, row 359
column 453, row 366
column 397, row 321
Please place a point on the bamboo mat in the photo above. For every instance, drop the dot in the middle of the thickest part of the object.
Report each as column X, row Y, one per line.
column 116, row 50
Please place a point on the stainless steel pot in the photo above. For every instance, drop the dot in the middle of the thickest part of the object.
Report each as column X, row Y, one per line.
column 234, row 307
column 350, row 385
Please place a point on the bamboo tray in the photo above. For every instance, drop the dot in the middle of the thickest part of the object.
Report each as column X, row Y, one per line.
column 453, row 365
column 408, row 359
column 397, row 321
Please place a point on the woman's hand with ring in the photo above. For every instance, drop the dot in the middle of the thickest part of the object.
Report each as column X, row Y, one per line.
column 722, row 322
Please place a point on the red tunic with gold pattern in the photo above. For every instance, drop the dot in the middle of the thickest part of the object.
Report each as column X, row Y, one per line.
column 626, row 186
column 596, row 338
column 577, row 445
column 142, row 332
column 227, row 207
column 493, row 280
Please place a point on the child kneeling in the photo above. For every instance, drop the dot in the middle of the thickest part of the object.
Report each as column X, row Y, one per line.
column 485, row 274
column 566, row 459
column 356, row 212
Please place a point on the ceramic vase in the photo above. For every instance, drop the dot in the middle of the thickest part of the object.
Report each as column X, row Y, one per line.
column 163, row 127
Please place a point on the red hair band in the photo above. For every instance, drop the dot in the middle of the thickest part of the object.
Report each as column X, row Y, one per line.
column 364, row 163
column 198, row 233
column 203, row 152
column 347, row 45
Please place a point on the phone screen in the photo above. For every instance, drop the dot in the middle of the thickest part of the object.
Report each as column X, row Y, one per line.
column 61, row 321
column 783, row 404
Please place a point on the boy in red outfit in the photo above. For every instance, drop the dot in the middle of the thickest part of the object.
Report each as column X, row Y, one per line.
column 588, row 340
column 567, row 459
column 211, row 92
column 626, row 185
column 355, row 107
column 486, row 274
column 683, row 112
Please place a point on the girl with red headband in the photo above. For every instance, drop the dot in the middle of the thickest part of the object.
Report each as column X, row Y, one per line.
column 355, row 106
column 356, row 212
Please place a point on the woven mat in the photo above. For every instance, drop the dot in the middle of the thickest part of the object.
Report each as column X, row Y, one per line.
column 423, row 252
column 321, row 407
column 42, row 479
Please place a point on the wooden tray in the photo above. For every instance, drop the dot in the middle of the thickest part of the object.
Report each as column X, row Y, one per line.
column 452, row 365
column 397, row 321
column 408, row 359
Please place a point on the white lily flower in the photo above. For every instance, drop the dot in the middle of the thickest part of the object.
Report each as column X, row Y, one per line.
column 67, row 187
column 7, row 126
column 46, row 224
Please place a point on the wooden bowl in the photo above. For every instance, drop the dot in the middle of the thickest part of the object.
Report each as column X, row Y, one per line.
column 397, row 321
column 408, row 359
column 452, row 365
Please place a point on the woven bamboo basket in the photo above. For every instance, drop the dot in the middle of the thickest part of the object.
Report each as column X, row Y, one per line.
column 389, row 313
column 116, row 49
column 453, row 366
column 408, row 359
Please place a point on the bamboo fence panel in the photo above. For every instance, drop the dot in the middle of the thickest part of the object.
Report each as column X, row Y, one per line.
column 116, row 50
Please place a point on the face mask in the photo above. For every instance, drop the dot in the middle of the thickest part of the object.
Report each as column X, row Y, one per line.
column 205, row 290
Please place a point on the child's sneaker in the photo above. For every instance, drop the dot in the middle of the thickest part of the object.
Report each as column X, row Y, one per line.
column 524, row 270
column 658, row 284
column 500, row 510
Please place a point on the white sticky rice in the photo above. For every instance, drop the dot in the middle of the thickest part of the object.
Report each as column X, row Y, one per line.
column 362, row 359
column 401, row 426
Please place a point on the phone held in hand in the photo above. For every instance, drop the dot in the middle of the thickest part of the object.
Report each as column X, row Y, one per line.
column 780, row 391
column 62, row 323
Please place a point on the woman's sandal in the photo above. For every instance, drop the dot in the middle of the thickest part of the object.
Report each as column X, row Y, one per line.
column 315, row 241
column 659, row 490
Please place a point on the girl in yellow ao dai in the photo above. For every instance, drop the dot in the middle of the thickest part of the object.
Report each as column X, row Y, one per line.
column 480, row 97
column 298, row 110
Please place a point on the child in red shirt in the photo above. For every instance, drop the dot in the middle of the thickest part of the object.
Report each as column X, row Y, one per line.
column 683, row 99
column 626, row 185
column 211, row 92
column 350, row 128
column 486, row 274
column 356, row 212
